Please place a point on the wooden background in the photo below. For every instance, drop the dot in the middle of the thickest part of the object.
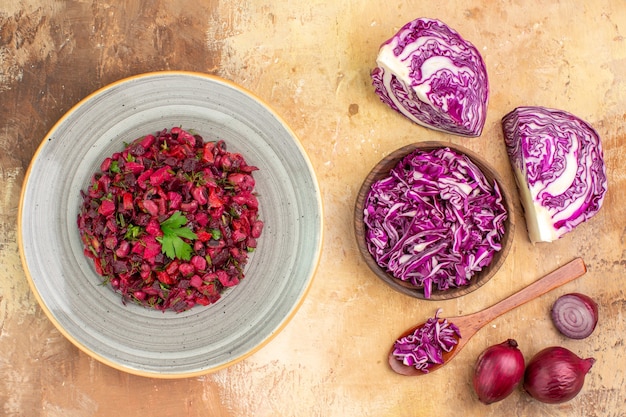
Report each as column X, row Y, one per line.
column 311, row 60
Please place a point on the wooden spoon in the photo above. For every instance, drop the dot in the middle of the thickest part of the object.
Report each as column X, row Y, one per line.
column 472, row 323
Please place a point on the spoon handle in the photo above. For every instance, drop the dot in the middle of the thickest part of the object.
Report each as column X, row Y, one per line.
column 554, row 279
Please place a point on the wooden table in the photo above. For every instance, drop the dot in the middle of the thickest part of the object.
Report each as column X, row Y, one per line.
column 311, row 62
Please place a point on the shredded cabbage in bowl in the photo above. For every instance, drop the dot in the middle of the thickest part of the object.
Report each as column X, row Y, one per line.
column 435, row 221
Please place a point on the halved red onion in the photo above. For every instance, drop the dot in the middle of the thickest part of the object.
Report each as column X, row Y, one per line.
column 575, row 315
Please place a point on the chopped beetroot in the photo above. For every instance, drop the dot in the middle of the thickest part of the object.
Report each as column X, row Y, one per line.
column 169, row 221
column 107, row 208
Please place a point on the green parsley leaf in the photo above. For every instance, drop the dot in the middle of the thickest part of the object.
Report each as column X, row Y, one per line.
column 171, row 243
column 115, row 167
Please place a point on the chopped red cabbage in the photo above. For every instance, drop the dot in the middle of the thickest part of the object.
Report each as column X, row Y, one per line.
column 424, row 347
column 435, row 220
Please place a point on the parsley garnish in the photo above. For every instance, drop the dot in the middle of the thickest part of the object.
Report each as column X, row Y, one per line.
column 171, row 243
column 115, row 167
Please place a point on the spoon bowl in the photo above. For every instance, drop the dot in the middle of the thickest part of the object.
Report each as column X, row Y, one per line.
column 470, row 324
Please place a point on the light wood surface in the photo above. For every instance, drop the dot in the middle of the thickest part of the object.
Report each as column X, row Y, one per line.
column 311, row 61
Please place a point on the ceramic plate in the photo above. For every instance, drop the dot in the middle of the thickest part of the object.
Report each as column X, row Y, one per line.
column 134, row 338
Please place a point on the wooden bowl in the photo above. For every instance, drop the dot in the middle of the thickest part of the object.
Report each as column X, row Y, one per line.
column 381, row 170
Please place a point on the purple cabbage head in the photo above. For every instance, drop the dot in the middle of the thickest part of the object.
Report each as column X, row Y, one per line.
column 559, row 168
column 434, row 77
column 435, row 221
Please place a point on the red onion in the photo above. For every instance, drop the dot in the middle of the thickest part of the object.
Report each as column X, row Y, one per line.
column 499, row 369
column 575, row 315
column 555, row 375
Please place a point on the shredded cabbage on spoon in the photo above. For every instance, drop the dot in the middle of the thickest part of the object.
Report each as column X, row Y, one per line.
column 435, row 220
column 425, row 346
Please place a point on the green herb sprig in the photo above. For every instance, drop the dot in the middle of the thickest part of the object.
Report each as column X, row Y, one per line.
column 171, row 243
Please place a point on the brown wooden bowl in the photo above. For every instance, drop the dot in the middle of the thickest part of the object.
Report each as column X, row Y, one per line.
column 381, row 170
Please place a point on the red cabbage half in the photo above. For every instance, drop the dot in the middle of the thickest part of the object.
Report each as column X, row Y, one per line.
column 559, row 168
column 433, row 76
column 435, row 220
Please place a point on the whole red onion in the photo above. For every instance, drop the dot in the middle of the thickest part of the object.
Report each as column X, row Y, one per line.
column 499, row 369
column 556, row 375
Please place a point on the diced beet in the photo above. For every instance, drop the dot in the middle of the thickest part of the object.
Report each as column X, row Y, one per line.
column 144, row 178
column 127, row 202
column 123, row 249
column 161, row 203
column 110, row 242
column 196, row 281
column 226, row 280
column 257, row 228
column 238, row 236
column 190, row 207
column 208, row 157
column 106, row 164
column 214, row 199
column 138, row 249
column 154, row 228
column 111, row 225
column 247, row 199
column 202, row 218
column 241, row 180
column 146, row 272
column 200, row 195
column 250, row 243
column 199, row 263
column 134, row 167
column 150, row 291
column 161, row 175
column 175, row 200
column 186, row 137
column 151, row 207
column 153, row 247
column 172, row 267
column 140, row 295
column 198, row 247
column 147, row 141
column 204, row 236
column 107, row 208
column 186, row 269
column 165, row 278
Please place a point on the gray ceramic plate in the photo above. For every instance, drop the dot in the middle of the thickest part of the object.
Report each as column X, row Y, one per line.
column 149, row 342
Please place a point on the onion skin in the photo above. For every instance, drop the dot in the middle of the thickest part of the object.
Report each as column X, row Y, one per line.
column 498, row 371
column 575, row 315
column 556, row 375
